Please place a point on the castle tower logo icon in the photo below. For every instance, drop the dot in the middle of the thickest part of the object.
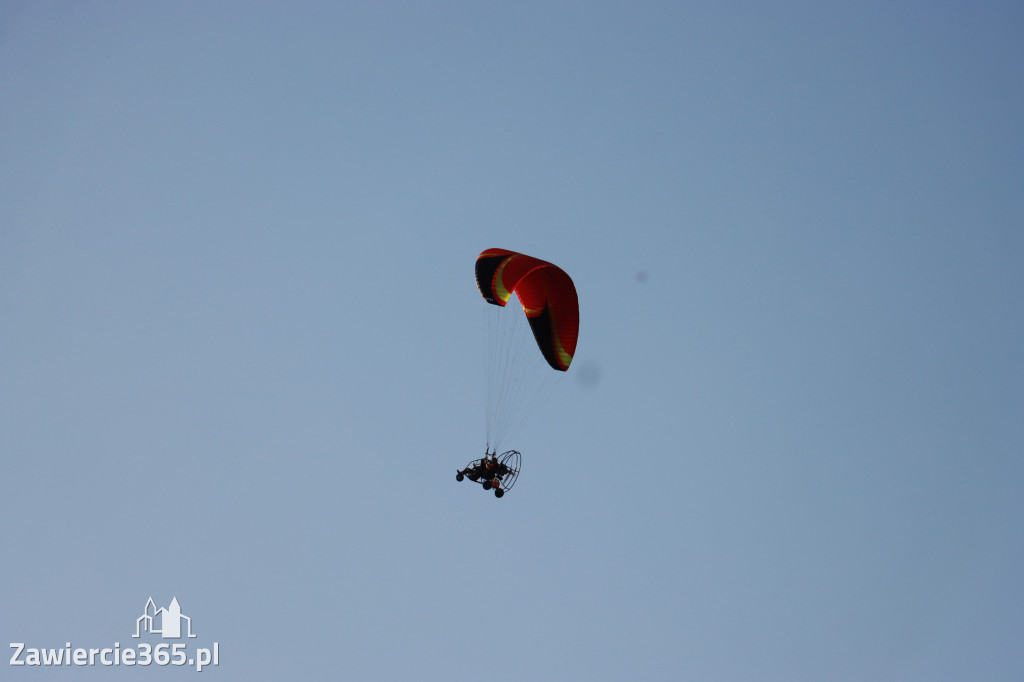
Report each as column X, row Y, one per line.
column 168, row 620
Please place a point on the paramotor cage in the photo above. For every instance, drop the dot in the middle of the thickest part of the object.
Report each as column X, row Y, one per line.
column 500, row 475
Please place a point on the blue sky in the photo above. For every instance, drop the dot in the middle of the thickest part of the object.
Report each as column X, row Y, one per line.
column 242, row 341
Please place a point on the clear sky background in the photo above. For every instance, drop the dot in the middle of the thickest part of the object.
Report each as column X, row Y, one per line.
column 241, row 340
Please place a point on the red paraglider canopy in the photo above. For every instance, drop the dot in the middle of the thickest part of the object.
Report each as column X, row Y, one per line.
column 546, row 293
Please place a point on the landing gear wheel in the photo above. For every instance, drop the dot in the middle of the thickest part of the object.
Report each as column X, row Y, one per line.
column 486, row 485
column 499, row 493
column 459, row 477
